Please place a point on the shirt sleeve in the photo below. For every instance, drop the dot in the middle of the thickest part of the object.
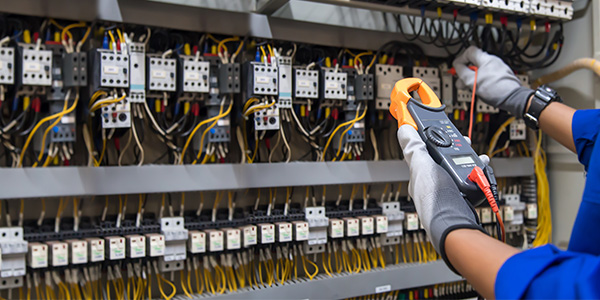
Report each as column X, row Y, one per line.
column 585, row 127
column 548, row 273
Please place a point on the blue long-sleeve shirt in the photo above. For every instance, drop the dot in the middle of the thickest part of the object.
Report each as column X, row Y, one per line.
column 547, row 272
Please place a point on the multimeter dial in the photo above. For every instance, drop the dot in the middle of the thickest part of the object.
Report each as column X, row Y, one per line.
column 438, row 136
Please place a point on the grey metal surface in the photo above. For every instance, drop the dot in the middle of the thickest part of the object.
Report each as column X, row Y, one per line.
column 351, row 285
column 73, row 181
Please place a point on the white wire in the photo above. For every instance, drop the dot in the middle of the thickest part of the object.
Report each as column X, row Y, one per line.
column 238, row 134
column 139, row 145
column 298, row 122
column 274, row 147
column 151, row 117
column 125, row 148
column 374, row 142
column 289, row 150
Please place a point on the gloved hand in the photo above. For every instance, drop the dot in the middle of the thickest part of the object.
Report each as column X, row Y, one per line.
column 497, row 85
column 439, row 204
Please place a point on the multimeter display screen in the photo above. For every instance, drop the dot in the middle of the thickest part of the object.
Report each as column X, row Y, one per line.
column 463, row 160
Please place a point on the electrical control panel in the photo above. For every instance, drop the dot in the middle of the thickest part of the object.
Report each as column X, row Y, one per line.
column 117, row 115
column 334, row 85
column 197, row 242
column 111, row 70
column 262, row 79
column 229, row 78
column 364, row 87
column 267, row 119
column 137, row 76
column 74, row 69
column 194, row 75
column 7, row 65
column 386, row 77
column 35, row 67
column 306, row 83
column 285, row 82
column 162, row 74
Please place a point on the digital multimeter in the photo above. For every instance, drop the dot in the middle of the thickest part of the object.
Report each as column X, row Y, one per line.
column 445, row 143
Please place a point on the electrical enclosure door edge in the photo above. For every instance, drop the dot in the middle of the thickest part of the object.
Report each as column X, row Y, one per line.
column 457, row 157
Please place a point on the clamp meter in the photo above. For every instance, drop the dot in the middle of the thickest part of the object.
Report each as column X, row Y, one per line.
column 445, row 143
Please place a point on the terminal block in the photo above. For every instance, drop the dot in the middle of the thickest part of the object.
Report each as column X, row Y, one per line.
column 464, row 95
column 431, row 76
column 364, row 87
column 513, row 212
column 306, row 84
column 483, row 107
column 175, row 243
column 386, row 77
column 284, row 64
column 7, row 65
column 137, row 76
column 117, row 115
column 229, row 78
column 334, row 85
column 267, row 119
column 318, row 223
column 194, row 75
column 395, row 220
column 74, row 69
column 35, row 67
column 162, row 74
column 13, row 251
column 37, row 256
column 197, row 242
column 262, row 79
column 96, row 249
column 111, row 70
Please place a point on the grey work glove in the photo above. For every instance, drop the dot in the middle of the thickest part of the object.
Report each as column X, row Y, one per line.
column 497, row 85
column 439, row 203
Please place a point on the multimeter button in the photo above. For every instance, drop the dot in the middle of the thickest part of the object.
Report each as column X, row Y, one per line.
column 438, row 136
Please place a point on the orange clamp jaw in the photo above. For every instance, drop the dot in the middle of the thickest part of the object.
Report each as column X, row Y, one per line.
column 401, row 95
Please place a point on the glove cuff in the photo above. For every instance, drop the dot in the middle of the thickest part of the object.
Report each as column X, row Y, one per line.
column 443, row 241
column 516, row 101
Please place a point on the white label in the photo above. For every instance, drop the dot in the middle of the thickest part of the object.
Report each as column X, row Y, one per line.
column 262, row 79
column 111, row 70
column 386, row 86
column 32, row 67
column 67, row 119
column 159, row 74
column 303, row 83
column 383, row 289
column 359, row 125
column 192, row 76
column 332, row 85
column 223, row 122
column 1, row 65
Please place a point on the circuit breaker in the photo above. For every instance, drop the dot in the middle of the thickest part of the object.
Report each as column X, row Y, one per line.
column 7, row 65
column 306, row 84
column 111, row 70
column 175, row 235
column 334, row 85
column 137, row 74
column 284, row 65
column 267, row 119
column 229, row 78
column 262, row 79
column 194, row 75
column 162, row 74
column 395, row 219
column 74, row 69
column 386, row 77
column 13, row 251
column 318, row 223
column 35, row 67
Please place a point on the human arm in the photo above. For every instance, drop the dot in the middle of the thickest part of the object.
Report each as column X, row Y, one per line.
column 498, row 86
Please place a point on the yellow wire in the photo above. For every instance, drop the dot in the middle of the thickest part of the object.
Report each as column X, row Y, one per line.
column 112, row 37
column 191, row 136
column 120, row 36
column 96, row 95
column 258, row 107
column 496, row 135
column 99, row 161
column 310, row 275
column 262, row 49
column 219, row 116
column 222, row 43
column 185, row 291
column 338, row 128
column 213, row 38
column 100, row 104
column 168, row 283
column 69, row 27
column 544, row 226
column 325, row 265
column 37, row 126
column 53, row 22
